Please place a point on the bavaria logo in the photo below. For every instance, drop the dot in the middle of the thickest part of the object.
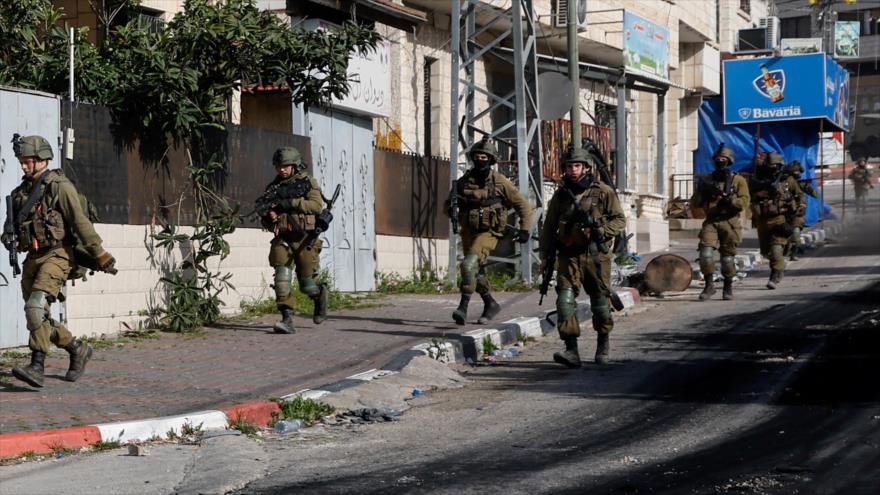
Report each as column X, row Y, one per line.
column 775, row 113
column 744, row 113
column 771, row 84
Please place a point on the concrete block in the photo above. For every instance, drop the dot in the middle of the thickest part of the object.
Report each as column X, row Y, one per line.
column 529, row 326
column 472, row 341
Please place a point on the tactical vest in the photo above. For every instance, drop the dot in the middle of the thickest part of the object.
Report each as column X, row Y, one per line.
column 295, row 225
column 783, row 204
column 482, row 207
column 43, row 228
column 715, row 208
column 860, row 177
column 572, row 233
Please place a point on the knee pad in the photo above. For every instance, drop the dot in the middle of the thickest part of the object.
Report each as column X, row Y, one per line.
column 36, row 309
column 566, row 305
column 707, row 259
column 283, row 279
column 470, row 266
column 728, row 266
column 308, row 287
column 601, row 309
column 776, row 252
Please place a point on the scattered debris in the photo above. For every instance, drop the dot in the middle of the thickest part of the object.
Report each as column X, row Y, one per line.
column 372, row 414
column 138, row 450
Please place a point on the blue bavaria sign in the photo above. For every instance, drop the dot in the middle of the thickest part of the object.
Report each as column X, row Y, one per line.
column 794, row 87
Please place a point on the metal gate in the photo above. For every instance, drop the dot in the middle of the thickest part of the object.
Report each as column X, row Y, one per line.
column 27, row 113
column 342, row 150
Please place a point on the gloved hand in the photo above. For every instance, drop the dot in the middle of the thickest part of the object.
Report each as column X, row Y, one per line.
column 522, row 236
column 106, row 263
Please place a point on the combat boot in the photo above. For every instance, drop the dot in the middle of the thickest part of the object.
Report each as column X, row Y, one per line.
column 286, row 323
column 490, row 309
column 32, row 374
column 603, row 348
column 709, row 289
column 460, row 314
column 569, row 357
column 79, row 355
column 321, row 303
column 794, row 254
column 727, row 292
column 775, row 278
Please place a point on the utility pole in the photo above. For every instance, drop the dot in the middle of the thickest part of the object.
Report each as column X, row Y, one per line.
column 574, row 74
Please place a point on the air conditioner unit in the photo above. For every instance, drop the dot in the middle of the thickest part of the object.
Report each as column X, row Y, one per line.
column 771, row 24
column 752, row 40
column 559, row 13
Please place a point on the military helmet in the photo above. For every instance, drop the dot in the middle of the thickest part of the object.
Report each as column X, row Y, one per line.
column 33, row 146
column 578, row 155
column 775, row 159
column 286, row 156
column 485, row 146
column 795, row 167
column 725, row 152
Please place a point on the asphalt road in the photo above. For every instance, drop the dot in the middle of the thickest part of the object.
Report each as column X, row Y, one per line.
column 773, row 393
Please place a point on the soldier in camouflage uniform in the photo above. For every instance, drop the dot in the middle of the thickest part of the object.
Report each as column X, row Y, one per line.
column 794, row 169
column 484, row 198
column 293, row 223
column 775, row 196
column 582, row 219
column 723, row 195
column 861, row 180
column 49, row 223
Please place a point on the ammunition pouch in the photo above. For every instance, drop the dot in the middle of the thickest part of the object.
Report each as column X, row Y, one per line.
column 492, row 216
column 295, row 226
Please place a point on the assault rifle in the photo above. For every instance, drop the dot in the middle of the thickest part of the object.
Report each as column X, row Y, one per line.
column 278, row 194
column 9, row 240
column 710, row 190
column 590, row 223
column 453, row 206
column 322, row 222
column 547, row 273
column 621, row 239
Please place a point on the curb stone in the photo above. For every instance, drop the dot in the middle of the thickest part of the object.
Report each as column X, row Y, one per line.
column 260, row 413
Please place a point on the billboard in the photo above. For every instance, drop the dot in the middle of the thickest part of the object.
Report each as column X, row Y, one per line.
column 795, row 87
column 846, row 38
column 799, row 46
column 645, row 46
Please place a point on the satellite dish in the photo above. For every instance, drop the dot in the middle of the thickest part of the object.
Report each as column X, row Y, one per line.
column 582, row 14
column 554, row 95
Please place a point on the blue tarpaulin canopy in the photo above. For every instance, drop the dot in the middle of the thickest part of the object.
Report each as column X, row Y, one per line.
column 796, row 140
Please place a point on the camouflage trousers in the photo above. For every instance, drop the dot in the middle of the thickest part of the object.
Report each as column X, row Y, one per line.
column 47, row 272
column 294, row 255
column 476, row 246
column 581, row 271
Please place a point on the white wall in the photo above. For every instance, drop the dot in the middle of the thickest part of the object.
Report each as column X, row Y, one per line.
column 105, row 304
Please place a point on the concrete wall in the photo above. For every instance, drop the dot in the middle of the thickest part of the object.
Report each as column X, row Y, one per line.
column 405, row 255
column 106, row 304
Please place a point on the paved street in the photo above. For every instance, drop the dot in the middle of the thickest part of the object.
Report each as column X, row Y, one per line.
column 234, row 362
column 771, row 393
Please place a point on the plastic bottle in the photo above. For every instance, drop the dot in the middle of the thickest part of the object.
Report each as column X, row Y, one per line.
column 288, row 426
